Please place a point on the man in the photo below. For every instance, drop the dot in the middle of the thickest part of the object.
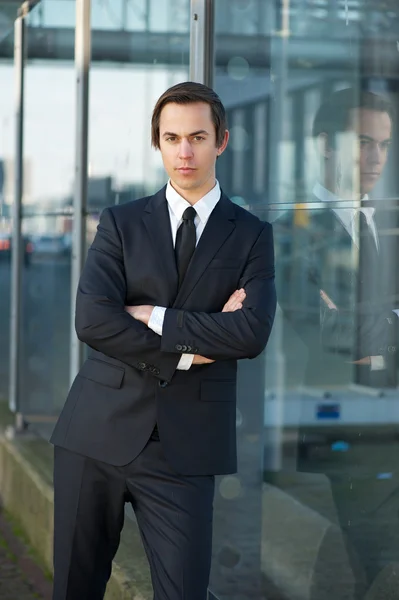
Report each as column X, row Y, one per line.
column 353, row 133
column 350, row 324
column 338, row 251
column 176, row 288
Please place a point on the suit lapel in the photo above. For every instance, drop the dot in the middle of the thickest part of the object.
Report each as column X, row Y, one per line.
column 157, row 222
column 218, row 228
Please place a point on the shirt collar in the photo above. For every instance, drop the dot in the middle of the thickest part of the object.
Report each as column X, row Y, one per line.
column 345, row 214
column 323, row 194
column 203, row 207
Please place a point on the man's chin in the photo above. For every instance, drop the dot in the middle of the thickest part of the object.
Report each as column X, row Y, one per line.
column 185, row 184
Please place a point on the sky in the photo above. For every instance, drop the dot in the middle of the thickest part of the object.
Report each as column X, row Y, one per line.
column 121, row 102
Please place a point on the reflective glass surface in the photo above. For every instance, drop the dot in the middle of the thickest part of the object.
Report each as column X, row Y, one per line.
column 122, row 164
column 49, row 147
column 6, row 199
column 312, row 101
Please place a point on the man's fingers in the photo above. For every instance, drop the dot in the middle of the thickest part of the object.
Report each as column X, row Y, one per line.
column 235, row 301
column 201, row 360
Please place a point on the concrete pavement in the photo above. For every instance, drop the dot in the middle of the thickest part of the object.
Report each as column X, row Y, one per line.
column 21, row 578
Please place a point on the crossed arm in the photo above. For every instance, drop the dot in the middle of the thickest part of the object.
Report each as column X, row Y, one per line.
column 103, row 323
column 143, row 313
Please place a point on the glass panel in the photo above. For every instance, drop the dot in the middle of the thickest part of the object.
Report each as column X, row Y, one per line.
column 312, row 98
column 49, row 147
column 7, row 110
column 122, row 164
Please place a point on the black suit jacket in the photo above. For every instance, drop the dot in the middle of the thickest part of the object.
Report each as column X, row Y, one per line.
column 130, row 381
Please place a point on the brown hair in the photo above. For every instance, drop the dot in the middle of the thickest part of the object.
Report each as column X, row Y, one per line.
column 189, row 92
column 333, row 116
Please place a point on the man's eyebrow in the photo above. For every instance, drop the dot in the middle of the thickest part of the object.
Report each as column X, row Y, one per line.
column 171, row 134
column 368, row 138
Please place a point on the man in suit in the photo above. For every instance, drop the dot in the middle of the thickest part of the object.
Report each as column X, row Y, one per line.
column 337, row 252
column 347, row 323
column 176, row 288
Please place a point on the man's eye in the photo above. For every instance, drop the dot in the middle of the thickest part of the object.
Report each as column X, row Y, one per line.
column 171, row 139
column 198, row 138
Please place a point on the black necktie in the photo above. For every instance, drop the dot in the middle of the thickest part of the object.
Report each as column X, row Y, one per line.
column 369, row 267
column 185, row 242
column 370, row 323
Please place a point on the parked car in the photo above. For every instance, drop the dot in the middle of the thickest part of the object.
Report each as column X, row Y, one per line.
column 50, row 245
column 6, row 248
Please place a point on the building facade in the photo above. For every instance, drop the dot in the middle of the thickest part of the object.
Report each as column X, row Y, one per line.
column 311, row 89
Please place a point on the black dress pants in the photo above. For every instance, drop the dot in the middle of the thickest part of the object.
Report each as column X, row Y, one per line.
column 173, row 512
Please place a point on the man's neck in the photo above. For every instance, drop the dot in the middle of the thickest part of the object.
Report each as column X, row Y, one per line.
column 194, row 196
column 341, row 193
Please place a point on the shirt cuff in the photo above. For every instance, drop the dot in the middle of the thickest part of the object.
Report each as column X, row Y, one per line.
column 185, row 362
column 156, row 320
column 377, row 363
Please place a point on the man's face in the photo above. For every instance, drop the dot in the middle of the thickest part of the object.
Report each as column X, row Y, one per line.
column 188, row 147
column 362, row 151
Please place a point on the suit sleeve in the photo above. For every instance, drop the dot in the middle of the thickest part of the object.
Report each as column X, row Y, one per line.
column 101, row 320
column 240, row 334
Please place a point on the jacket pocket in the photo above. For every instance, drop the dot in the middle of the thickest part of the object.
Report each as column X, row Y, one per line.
column 102, row 372
column 218, row 390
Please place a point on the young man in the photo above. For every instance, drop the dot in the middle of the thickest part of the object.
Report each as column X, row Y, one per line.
column 176, row 288
column 341, row 255
column 350, row 330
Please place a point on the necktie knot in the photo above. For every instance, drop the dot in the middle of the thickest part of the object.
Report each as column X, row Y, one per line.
column 189, row 214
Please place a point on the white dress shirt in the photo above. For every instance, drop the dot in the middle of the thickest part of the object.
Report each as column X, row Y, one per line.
column 177, row 205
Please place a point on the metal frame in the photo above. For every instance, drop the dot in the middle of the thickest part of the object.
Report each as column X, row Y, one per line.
column 202, row 28
column 82, row 66
column 17, row 251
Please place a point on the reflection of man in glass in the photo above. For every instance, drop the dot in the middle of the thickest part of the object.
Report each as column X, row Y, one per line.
column 331, row 295
column 353, row 133
column 329, row 273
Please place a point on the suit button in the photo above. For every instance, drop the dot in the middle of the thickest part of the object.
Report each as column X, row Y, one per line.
column 163, row 384
column 184, row 348
column 142, row 366
column 178, row 347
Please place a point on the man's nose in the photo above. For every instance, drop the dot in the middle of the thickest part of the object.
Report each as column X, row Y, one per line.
column 376, row 154
column 185, row 150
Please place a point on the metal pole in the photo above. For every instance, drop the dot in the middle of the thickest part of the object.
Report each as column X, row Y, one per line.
column 82, row 66
column 202, row 27
column 17, row 250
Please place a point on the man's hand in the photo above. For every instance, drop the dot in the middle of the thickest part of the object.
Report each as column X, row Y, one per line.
column 233, row 303
column 362, row 361
column 140, row 313
column 201, row 360
column 143, row 313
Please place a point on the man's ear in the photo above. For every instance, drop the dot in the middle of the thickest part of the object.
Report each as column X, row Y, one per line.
column 322, row 145
column 222, row 148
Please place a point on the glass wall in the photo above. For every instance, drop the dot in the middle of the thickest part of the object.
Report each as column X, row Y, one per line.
column 311, row 90
column 49, row 153
column 312, row 95
column 7, row 112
